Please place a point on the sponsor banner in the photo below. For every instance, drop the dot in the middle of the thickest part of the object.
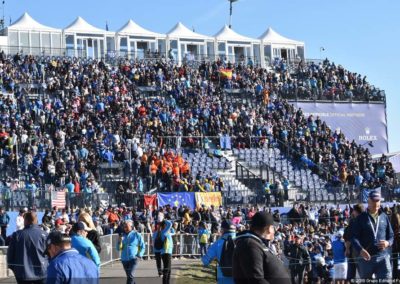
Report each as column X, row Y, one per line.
column 362, row 122
column 176, row 199
column 208, row 198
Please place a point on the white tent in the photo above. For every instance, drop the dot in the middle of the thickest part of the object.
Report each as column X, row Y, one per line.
column 185, row 44
column 29, row 36
column 27, row 23
column 136, row 41
column 84, row 40
column 79, row 25
column 133, row 29
column 236, row 47
column 276, row 46
column 227, row 34
column 181, row 31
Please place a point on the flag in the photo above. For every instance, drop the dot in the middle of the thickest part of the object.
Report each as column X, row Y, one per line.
column 150, row 201
column 226, row 73
column 106, row 25
column 176, row 199
column 208, row 198
column 58, row 199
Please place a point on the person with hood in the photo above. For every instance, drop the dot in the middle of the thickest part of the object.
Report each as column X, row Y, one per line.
column 253, row 260
column 26, row 252
column 216, row 250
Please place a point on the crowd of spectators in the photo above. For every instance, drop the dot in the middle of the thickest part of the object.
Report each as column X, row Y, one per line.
column 92, row 113
column 304, row 237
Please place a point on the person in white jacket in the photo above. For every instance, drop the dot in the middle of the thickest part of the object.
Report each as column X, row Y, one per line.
column 20, row 219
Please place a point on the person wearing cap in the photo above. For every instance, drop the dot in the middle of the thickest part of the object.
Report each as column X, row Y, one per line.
column 372, row 237
column 339, row 258
column 228, row 231
column 299, row 259
column 253, row 260
column 4, row 221
column 132, row 247
column 85, row 247
column 66, row 264
column 26, row 252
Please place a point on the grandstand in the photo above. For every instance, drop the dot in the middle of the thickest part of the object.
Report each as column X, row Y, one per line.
column 97, row 114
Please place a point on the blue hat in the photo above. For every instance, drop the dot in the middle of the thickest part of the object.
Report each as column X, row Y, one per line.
column 374, row 195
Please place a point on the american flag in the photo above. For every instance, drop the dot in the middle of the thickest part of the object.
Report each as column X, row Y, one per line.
column 58, row 199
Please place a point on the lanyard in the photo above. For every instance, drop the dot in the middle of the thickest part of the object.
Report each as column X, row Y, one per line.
column 375, row 229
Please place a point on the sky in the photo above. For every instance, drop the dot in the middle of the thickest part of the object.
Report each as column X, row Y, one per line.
column 361, row 35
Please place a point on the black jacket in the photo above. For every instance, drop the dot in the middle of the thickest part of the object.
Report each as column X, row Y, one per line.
column 94, row 237
column 26, row 253
column 254, row 263
column 298, row 256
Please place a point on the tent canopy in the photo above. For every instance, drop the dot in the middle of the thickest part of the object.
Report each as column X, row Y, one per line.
column 27, row 23
column 272, row 36
column 230, row 35
column 81, row 26
column 131, row 28
column 181, row 31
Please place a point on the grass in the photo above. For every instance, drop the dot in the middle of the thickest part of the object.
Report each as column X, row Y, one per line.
column 196, row 273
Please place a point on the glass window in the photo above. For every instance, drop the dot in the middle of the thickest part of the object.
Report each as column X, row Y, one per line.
column 69, row 41
column 161, row 46
column 110, row 44
column 56, row 41
column 24, row 39
column 256, row 53
column 221, row 46
column 13, row 38
column 210, row 49
column 123, row 44
column 174, row 44
column 35, row 43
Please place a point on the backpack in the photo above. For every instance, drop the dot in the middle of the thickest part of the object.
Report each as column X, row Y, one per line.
column 203, row 238
column 158, row 242
column 226, row 261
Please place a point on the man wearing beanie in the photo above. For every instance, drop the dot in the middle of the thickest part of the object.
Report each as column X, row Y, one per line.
column 253, row 261
column 221, row 250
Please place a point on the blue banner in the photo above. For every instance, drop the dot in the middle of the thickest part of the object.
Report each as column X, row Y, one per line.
column 176, row 199
column 362, row 122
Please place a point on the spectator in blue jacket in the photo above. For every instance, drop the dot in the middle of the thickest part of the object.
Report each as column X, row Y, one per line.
column 132, row 247
column 339, row 258
column 83, row 245
column 26, row 252
column 372, row 239
column 215, row 250
column 166, row 251
column 204, row 235
column 67, row 265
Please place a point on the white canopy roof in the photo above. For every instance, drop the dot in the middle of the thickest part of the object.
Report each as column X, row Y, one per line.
column 27, row 23
column 272, row 36
column 81, row 26
column 180, row 31
column 228, row 34
column 131, row 28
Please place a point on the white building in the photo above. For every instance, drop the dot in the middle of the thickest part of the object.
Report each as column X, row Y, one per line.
column 81, row 39
column 84, row 40
column 28, row 36
column 275, row 46
column 235, row 47
column 184, row 44
column 134, row 41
